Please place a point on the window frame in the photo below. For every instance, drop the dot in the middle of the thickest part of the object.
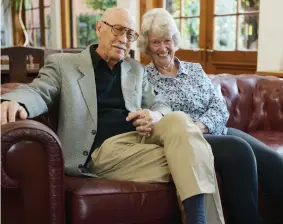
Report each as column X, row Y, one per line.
column 43, row 29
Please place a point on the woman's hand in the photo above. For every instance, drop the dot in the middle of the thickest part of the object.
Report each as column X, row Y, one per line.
column 202, row 127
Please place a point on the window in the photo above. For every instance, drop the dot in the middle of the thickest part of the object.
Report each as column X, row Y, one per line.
column 236, row 24
column 187, row 16
column 38, row 22
column 222, row 35
column 84, row 15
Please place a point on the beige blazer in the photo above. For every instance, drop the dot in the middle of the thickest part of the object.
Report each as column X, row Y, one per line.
column 70, row 79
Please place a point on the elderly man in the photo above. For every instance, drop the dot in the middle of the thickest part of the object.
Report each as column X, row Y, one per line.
column 111, row 124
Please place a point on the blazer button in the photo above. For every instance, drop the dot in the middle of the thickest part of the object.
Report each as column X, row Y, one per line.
column 93, row 132
column 85, row 153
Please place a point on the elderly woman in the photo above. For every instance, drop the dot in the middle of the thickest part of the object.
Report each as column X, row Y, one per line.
column 187, row 88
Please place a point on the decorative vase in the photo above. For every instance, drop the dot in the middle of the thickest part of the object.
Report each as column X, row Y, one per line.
column 22, row 37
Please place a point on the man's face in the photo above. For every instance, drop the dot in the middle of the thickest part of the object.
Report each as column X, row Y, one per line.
column 114, row 33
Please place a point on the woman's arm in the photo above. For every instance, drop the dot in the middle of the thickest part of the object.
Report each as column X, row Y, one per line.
column 216, row 116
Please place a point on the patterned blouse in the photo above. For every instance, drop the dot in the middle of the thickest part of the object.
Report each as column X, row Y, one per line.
column 192, row 92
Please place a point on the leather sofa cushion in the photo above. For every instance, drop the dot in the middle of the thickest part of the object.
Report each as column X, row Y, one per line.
column 91, row 200
column 273, row 139
column 254, row 102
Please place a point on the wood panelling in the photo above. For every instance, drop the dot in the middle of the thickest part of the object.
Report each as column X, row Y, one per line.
column 234, row 62
column 271, row 73
column 144, row 59
column 233, row 68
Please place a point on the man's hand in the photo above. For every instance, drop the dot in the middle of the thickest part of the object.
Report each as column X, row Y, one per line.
column 10, row 110
column 144, row 120
column 202, row 127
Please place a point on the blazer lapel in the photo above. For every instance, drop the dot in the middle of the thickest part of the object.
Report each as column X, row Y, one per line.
column 128, row 83
column 87, row 82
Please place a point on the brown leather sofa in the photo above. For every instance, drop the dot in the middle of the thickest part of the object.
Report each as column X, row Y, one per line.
column 35, row 190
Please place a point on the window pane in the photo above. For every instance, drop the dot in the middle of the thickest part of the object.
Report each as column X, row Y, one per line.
column 32, row 19
column 248, row 32
column 29, row 20
column 225, row 6
column 225, row 33
column 35, row 37
column 46, row 3
column 248, row 5
column 31, row 4
column 174, row 7
column 31, row 35
column 85, row 13
column 6, row 25
column 36, row 18
column 86, row 29
column 190, row 33
column 191, row 8
column 47, row 14
column 48, row 37
column 177, row 21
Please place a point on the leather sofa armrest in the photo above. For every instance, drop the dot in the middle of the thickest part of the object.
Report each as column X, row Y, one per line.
column 32, row 161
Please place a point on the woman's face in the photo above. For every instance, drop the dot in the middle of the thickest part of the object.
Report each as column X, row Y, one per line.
column 161, row 50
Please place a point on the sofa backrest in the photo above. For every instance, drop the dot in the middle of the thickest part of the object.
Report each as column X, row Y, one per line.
column 254, row 102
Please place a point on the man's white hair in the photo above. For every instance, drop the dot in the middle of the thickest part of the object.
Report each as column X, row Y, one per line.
column 161, row 23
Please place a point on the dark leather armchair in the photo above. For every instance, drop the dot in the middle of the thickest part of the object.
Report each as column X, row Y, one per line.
column 35, row 190
column 23, row 63
column 19, row 58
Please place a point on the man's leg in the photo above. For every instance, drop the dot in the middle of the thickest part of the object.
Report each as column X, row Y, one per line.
column 190, row 161
column 185, row 155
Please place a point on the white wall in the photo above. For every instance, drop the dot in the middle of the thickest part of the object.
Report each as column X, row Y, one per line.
column 134, row 7
column 270, row 47
column 56, row 24
column 6, row 23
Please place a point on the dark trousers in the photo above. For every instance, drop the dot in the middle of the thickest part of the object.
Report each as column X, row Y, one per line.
column 241, row 160
column 269, row 164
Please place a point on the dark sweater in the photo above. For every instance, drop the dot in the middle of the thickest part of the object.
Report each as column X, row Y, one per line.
column 112, row 113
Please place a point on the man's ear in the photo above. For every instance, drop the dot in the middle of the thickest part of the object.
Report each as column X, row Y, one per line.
column 98, row 28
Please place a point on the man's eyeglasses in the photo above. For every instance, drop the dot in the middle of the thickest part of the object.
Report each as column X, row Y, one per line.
column 119, row 30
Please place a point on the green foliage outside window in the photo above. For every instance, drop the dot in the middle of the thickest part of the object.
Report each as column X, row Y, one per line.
column 86, row 29
column 101, row 4
column 191, row 28
column 86, row 22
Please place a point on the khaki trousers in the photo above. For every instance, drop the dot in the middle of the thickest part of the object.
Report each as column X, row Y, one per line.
column 175, row 150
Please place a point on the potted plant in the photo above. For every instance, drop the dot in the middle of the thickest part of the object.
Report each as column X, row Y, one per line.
column 16, row 7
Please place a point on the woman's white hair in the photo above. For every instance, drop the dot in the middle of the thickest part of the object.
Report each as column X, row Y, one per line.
column 161, row 23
